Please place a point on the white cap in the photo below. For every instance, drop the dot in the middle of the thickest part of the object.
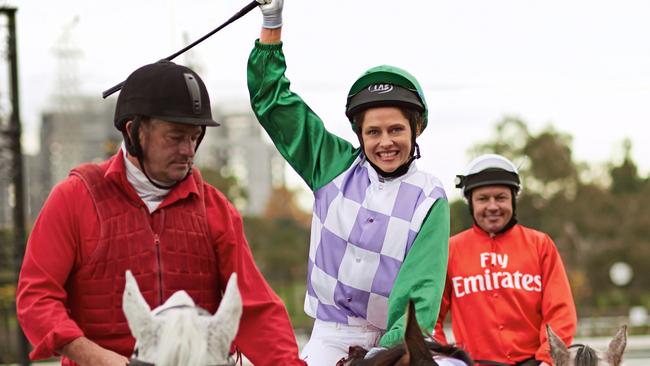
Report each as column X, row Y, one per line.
column 487, row 170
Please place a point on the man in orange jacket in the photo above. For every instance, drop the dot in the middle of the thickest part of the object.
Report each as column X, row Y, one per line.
column 505, row 282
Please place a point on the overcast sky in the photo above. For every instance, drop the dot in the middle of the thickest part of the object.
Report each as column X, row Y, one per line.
column 583, row 66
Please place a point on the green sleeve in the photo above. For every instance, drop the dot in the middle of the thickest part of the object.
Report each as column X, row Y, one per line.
column 421, row 277
column 297, row 132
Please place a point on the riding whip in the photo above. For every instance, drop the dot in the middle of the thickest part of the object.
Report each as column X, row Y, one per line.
column 253, row 4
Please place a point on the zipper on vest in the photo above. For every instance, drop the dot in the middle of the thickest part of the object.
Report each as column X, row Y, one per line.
column 156, row 241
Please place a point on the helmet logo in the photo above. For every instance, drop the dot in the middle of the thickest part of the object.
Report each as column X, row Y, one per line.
column 380, row 88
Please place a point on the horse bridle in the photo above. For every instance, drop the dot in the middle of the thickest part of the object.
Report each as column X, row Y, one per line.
column 202, row 312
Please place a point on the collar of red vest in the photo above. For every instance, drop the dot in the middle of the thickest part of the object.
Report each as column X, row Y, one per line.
column 116, row 172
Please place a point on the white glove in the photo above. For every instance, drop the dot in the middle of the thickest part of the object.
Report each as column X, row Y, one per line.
column 272, row 12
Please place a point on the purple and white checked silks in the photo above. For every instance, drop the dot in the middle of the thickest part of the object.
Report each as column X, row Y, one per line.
column 362, row 228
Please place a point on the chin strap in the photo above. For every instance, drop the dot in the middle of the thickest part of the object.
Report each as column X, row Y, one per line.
column 158, row 185
column 134, row 148
column 401, row 170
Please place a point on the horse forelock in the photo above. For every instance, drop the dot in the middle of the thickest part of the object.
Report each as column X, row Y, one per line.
column 586, row 356
column 176, row 300
column 182, row 339
column 583, row 355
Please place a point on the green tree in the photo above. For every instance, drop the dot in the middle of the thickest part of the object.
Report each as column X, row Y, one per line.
column 227, row 183
column 596, row 217
column 280, row 242
column 625, row 177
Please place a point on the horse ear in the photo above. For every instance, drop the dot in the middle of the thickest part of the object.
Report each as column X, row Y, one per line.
column 617, row 347
column 559, row 351
column 224, row 323
column 417, row 351
column 135, row 307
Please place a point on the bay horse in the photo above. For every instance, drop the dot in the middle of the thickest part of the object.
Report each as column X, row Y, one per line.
column 583, row 355
column 415, row 351
column 179, row 333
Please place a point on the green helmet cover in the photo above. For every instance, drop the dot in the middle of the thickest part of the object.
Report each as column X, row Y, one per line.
column 386, row 74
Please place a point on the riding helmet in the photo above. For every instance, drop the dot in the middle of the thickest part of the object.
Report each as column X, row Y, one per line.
column 166, row 91
column 489, row 170
column 384, row 86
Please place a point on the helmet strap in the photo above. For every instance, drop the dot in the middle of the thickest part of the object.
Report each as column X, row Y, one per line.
column 513, row 219
column 133, row 147
column 157, row 185
column 133, row 144
column 402, row 169
column 417, row 151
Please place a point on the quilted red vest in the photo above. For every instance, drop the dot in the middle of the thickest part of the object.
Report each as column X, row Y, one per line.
column 167, row 251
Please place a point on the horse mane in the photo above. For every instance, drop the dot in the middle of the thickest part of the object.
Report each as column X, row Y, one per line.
column 392, row 355
column 180, row 325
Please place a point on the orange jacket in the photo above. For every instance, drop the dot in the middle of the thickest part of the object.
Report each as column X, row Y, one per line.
column 502, row 291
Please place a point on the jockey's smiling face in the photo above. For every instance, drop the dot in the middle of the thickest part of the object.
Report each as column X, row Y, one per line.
column 168, row 149
column 492, row 207
column 386, row 137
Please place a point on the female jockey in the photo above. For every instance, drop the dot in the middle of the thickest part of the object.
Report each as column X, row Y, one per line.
column 380, row 226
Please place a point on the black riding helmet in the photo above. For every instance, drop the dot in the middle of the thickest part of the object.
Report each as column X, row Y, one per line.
column 389, row 86
column 166, row 91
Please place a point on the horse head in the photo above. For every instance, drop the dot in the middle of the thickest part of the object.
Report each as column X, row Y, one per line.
column 583, row 355
column 414, row 352
column 178, row 332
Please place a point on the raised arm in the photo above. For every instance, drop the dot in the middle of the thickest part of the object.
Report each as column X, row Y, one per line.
column 272, row 22
column 297, row 132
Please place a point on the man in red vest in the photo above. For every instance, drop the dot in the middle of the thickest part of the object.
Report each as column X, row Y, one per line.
column 505, row 282
column 145, row 209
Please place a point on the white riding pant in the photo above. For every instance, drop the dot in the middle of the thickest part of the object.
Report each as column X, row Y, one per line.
column 329, row 341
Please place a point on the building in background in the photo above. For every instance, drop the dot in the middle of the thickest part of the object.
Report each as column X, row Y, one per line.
column 84, row 132
column 239, row 147
column 71, row 137
column 79, row 128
